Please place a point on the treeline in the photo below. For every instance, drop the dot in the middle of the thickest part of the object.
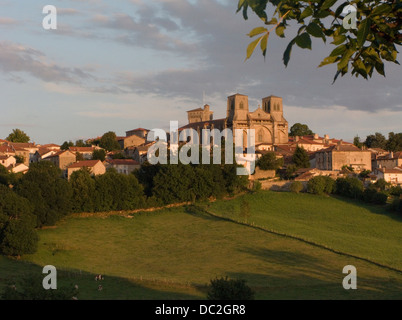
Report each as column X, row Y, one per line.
column 42, row 197
column 378, row 140
column 352, row 187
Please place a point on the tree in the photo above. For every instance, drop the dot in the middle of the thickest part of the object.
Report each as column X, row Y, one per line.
column 84, row 190
column 66, row 145
column 99, row 154
column 394, row 142
column 321, row 185
column 109, row 141
column 269, row 162
column 357, row 143
column 299, row 129
column 362, row 49
column 18, row 136
column 350, row 187
column 301, row 158
column 17, row 223
column 47, row 191
column 81, row 143
column 376, row 140
column 229, row 289
column 79, row 156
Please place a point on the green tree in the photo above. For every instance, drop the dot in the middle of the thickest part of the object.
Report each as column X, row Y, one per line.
column 301, row 158
column 229, row 289
column 18, row 136
column 299, row 129
column 84, row 190
column 350, row 187
column 394, row 142
column 81, row 143
column 79, row 157
column 66, row 145
column 109, row 141
column 359, row 51
column 269, row 162
column 357, row 143
column 376, row 140
column 321, row 185
column 99, row 154
column 47, row 191
column 17, row 233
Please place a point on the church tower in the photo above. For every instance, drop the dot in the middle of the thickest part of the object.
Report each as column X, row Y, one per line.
column 237, row 108
column 273, row 105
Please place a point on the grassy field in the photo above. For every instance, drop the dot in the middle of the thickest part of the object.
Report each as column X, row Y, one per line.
column 173, row 253
column 345, row 225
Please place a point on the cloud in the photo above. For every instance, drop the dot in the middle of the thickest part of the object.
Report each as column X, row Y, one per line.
column 17, row 58
column 67, row 11
column 7, row 21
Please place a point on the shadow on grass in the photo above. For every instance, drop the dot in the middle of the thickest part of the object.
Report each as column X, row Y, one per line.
column 113, row 288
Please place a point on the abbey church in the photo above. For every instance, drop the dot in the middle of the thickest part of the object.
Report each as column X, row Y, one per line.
column 268, row 122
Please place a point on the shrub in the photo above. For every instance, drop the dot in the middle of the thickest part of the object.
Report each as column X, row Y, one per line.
column 229, row 289
column 296, row 186
column 350, row 187
column 269, row 162
column 256, row 186
column 321, row 185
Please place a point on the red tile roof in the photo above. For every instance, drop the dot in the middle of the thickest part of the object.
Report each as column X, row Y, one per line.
column 82, row 149
column 138, row 129
column 85, row 163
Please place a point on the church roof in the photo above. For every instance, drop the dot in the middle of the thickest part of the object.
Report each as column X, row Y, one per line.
column 259, row 114
column 198, row 109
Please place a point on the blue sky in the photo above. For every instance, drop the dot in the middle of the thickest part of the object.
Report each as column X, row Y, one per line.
column 117, row 65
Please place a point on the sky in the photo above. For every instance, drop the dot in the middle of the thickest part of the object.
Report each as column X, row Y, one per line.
column 122, row 64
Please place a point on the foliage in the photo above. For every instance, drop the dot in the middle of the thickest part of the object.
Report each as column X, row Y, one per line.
column 18, row 136
column 372, row 195
column 364, row 174
column 296, row 186
column 99, row 154
column 381, row 184
column 321, row 185
column 84, row 189
column 350, row 187
column 229, row 289
column 364, row 49
column 299, row 129
column 395, row 191
column 47, row 191
column 269, row 162
column 19, row 158
column 357, row 142
column 290, row 172
column 256, row 186
column 109, row 141
column 81, row 143
column 17, row 233
column 66, row 145
column 301, row 158
column 376, row 140
column 30, row 288
column 79, row 156
column 394, row 142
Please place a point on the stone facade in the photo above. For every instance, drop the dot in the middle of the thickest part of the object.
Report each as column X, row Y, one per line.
column 335, row 157
column 268, row 122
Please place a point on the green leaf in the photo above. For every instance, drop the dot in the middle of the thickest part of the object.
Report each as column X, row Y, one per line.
column 339, row 10
column 360, row 68
column 240, row 5
column 315, row 30
column 343, row 63
column 303, row 41
column 306, row 13
column 381, row 10
column 280, row 31
column 338, row 51
column 256, row 31
column 251, row 47
column 288, row 51
column 380, row 68
column 328, row 4
column 363, row 31
column 264, row 42
column 339, row 39
column 328, row 60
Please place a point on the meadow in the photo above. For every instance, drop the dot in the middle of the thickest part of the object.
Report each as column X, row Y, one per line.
column 174, row 253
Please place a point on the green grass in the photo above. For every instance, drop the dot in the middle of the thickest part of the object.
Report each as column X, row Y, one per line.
column 173, row 254
column 348, row 226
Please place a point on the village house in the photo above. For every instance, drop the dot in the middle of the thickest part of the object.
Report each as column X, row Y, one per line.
column 86, row 152
column 130, row 141
column 51, row 146
column 20, row 167
column 388, row 161
column 62, row 159
column 140, row 153
column 337, row 156
column 139, row 132
column 125, row 166
column 7, row 161
column 42, row 153
column 393, row 176
column 96, row 167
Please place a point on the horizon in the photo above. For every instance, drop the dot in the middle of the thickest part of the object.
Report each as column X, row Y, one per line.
column 133, row 63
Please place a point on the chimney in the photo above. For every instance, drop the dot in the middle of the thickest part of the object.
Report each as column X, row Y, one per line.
column 391, row 155
column 326, row 137
column 316, row 136
column 297, row 138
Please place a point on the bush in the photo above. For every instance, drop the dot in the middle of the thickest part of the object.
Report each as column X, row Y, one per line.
column 397, row 205
column 296, row 186
column 229, row 289
column 350, row 187
column 269, row 162
column 256, row 186
column 321, row 185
